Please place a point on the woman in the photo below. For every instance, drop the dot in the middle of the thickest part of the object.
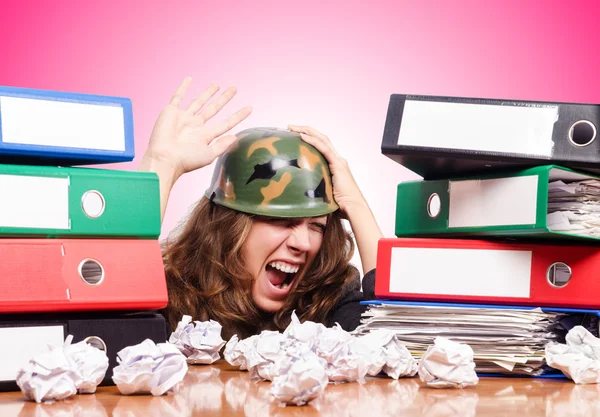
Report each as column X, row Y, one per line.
column 240, row 258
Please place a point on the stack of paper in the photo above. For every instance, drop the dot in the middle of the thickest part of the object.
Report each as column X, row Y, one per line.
column 574, row 207
column 504, row 340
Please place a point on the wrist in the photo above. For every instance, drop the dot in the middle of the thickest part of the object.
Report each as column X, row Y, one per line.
column 359, row 213
column 355, row 205
column 356, row 209
column 166, row 171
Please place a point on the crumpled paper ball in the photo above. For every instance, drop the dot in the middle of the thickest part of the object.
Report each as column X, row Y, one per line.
column 343, row 363
column 63, row 371
column 261, row 359
column 236, row 351
column 579, row 359
column 448, row 364
column 307, row 332
column 90, row 364
column 256, row 354
column 308, row 346
column 149, row 368
column 199, row 341
column 382, row 351
column 301, row 376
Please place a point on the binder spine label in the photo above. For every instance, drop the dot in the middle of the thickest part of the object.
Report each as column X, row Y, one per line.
column 34, row 202
column 22, row 343
column 33, row 121
column 479, row 127
column 493, row 202
column 471, row 272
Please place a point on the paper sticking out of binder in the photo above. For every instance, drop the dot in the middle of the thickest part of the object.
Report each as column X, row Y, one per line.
column 574, row 208
column 506, row 340
column 548, row 202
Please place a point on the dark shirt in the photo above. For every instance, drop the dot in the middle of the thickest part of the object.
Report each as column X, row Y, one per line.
column 348, row 309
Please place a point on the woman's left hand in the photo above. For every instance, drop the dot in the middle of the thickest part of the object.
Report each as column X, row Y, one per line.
column 345, row 190
column 348, row 196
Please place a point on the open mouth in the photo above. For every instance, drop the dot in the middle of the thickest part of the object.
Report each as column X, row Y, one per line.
column 281, row 275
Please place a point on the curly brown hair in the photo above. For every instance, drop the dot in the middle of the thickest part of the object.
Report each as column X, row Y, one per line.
column 206, row 277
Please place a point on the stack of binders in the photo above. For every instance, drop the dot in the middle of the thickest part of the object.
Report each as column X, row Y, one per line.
column 79, row 249
column 499, row 245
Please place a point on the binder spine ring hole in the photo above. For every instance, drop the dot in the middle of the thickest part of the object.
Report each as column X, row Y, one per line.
column 582, row 133
column 558, row 274
column 93, row 204
column 91, row 272
column 96, row 342
column 434, row 205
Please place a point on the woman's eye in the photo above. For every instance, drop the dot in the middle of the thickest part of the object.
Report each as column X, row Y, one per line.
column 319, row 227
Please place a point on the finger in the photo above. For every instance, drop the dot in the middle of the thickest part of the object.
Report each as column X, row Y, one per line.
column 327, row 151
column 218, row 147
column 324, row 144
column 214, row 107
column 232, row 121
column 178, row 96
column 308, row 130
column 321, row 137
column 199, row 101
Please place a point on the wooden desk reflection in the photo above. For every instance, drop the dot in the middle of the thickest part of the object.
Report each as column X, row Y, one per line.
column 221, row 390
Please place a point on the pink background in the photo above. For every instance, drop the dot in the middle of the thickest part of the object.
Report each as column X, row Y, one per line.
column 331, row 64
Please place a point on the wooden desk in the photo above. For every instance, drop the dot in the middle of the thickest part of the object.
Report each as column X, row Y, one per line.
column 221, row 390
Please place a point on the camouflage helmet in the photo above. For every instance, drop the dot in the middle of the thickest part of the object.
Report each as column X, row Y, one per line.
column 272, row 172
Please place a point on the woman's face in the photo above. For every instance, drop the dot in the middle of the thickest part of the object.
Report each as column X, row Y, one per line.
column 278, row 251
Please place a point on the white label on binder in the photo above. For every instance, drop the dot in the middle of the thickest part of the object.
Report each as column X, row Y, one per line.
column 524, row 130
column 472, row 272
column 34, row 202
column 493, row 202
column 32, row 121
column 20, row 344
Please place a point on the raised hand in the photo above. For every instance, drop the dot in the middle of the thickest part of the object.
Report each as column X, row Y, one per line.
column 348, row 196
column 182, row 142
column 180, row 137
column 345, row 190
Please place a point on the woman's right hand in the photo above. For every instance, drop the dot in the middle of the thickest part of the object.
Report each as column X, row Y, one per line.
column 181, row 141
